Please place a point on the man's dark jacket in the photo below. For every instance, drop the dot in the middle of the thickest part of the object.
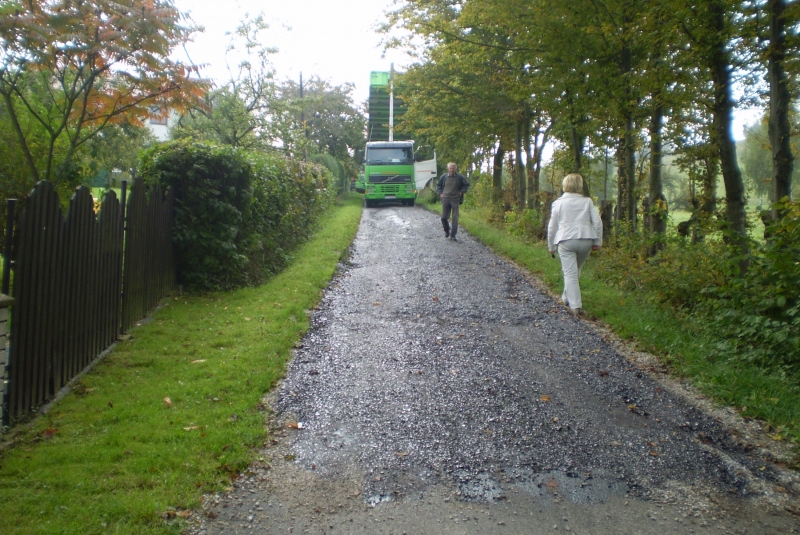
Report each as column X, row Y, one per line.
column 463, row 184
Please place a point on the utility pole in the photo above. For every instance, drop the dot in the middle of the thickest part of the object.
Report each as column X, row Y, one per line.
column 303, row 119
column 391, row 102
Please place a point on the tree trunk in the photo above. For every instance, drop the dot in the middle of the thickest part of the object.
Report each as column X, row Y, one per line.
column 657, row 203
column 722, row 109
column 538, row 148
column 626, row 176
column 20, row 135
column 519, row 169
column 531, row 187
column 630, row 162
column 497, row 173
column 607, row 217
column 779, row 102
column 577, row 149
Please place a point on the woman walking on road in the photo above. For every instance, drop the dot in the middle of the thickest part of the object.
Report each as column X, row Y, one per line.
column 574, row 231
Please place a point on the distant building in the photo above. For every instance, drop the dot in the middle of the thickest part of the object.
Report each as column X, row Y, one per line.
column 160, row 121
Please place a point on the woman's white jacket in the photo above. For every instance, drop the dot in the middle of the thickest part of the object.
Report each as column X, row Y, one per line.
column 574, row 217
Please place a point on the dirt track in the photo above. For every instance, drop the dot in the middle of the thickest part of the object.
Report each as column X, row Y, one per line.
column 439, row 391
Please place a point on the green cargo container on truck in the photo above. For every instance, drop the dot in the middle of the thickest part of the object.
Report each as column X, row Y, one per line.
column 389, row 172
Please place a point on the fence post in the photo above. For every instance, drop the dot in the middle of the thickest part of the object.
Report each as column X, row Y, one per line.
column 123, row 231
column 5, row 303
column 12, row 203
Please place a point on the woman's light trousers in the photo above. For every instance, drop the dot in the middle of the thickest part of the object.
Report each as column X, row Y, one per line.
column 573, row 253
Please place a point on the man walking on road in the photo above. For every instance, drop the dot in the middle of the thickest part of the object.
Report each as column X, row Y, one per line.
column 451, row 189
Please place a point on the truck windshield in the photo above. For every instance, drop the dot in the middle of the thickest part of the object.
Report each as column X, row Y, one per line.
column 390, row 155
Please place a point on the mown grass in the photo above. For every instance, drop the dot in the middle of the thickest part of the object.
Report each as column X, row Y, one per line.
column 681, row 342
column 172, row 412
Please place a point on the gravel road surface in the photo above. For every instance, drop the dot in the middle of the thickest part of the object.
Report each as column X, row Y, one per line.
column 441, row 391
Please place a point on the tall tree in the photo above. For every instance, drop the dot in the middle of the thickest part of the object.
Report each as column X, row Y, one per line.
column 711, row 28
column 779, row 102
column 238, row 113
column 75, row 67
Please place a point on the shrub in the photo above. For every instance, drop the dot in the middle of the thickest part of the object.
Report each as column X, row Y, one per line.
column 760, row 309
column 526, row 225
column 237, row 214
column 289, row 197
column 213, row 195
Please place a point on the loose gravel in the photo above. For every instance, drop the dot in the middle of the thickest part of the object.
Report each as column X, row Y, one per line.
column 440, row 390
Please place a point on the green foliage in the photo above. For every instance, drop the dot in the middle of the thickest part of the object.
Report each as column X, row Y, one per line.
column 760, row 308
column 117, row 148
column 526, row 225
column 73, row 68
column 336, row 169
column 237, row 215
column 225, row 120
column 289, row 197
column 213, row 195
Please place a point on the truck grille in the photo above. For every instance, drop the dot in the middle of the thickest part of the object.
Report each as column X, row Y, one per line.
column 389, row 179
column 392, row 189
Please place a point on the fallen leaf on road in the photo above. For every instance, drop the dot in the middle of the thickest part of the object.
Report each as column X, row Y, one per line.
column 545, row 398
column 402, row 454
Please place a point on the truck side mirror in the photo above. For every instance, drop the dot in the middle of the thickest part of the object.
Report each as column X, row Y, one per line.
column 361, row 156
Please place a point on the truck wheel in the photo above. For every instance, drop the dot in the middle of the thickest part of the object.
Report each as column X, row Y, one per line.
column 411, row 202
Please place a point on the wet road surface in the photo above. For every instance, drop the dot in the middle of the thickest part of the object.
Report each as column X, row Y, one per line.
column 439, row 391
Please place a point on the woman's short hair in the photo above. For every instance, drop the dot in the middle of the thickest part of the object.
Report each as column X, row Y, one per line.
column 573, row 183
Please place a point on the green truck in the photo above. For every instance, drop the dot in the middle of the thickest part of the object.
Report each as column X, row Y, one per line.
column 392, row 172
column 388, row 173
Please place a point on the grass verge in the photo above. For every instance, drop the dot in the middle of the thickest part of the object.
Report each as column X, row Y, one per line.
column 680, row 342
column 174, row 411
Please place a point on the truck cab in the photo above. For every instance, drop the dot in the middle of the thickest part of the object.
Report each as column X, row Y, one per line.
column 389, row 173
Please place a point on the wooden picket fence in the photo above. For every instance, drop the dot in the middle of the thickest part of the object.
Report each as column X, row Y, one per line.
column 79, row 282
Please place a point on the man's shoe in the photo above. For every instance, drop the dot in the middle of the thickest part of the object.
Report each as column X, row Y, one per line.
column 453, row 238
column 446, row 234
column 578, row 312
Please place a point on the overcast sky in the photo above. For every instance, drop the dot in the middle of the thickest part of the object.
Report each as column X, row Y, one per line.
column 333, row 39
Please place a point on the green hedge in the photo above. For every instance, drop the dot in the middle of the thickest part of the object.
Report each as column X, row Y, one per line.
column 237, row 214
